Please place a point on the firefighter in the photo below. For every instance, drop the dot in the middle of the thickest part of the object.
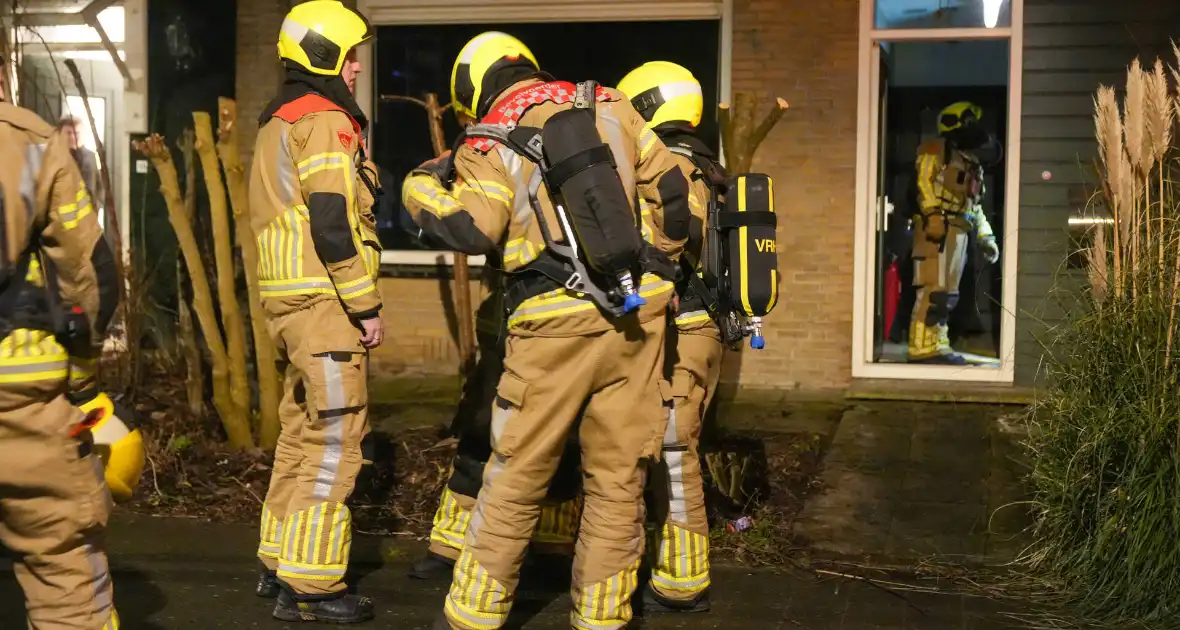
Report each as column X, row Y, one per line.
column 669, row 98
column 318, row 264
column 566, row 354
column 58, row 292
column 553, row 539
column 950, row 189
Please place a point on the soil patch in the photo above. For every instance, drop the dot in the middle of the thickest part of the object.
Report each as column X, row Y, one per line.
column 191, row 474
column 781, row 473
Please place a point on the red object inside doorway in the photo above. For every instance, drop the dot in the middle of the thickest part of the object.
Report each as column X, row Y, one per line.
column 892, row 296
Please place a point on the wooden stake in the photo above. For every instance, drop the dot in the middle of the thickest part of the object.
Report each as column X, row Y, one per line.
column 269, row 387
column 231, row 313
column 194, row 367
column 740, row 136
column 237, row 427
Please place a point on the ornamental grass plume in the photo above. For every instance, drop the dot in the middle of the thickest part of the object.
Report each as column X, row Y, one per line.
column 1104, row 439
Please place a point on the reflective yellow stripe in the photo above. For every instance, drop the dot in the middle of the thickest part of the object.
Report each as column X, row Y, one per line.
column 645, row 220
column 682, row 562
column 322, row 162
column 424, row 191
column 694, row 317
column 270, row 534
column 743, row 245
column 296, row 286
column 32, row 356
column 450, row 522
column 280, row 246
column 521, row 251
column 476, row 600
column 605, row 604
column 565, row 302
column 558, row 523
column 487, row 188
column 647, row 140
column 316, row 543
column 773, row 272
column 927, row 164
column 359, row 291
column 71, row 213
column 34, row 274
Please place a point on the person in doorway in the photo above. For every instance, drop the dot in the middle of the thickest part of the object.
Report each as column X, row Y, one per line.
column 553, row 539
column 58, row 292
column 950, row 189
column 87, row 162
column 669, row 98
column 318, row 263
column 567, row 353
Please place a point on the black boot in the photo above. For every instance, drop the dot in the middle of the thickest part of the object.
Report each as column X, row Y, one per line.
column 342, row 609
column 433, row 567
column 440, row 623
column 268, row 584
column 653, row 603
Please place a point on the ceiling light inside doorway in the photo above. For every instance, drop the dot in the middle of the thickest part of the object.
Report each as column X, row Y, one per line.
column 991, row 12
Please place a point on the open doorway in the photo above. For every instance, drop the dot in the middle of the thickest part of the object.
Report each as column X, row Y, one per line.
column 47, row 87
column 918, row 81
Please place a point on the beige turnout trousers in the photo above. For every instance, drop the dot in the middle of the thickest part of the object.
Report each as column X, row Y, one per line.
column 936, row 278
column 306, row 530
column 680, row 567
column 54, row 502
column 547, row 381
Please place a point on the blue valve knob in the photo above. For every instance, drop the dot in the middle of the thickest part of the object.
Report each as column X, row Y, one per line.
column 757, row 342
column 632, row 302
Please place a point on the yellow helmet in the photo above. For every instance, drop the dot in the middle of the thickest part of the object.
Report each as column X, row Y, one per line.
column 956, row 115
column 473, row 78
column 664, row 92
column 317, row 35
column 120, row 448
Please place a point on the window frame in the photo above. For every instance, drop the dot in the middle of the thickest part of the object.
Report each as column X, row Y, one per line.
column 427, row 13
column 868, row 82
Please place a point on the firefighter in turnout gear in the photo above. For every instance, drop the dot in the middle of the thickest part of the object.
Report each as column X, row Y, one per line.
column 569, row 351
column 58, row 292
column 669, row 98
column 554, row 536
column 950, row 189
column 318, row 265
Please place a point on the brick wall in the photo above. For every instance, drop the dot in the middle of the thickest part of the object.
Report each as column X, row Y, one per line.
column 420, row 327
column 258, row 73
column 803, row 52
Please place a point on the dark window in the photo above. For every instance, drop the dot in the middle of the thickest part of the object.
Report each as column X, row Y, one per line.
column 414, row 60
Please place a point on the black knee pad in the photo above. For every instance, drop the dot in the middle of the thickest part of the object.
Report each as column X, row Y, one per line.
column 467, row 478
column 939, row 308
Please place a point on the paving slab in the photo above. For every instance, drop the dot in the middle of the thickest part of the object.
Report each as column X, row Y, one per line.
column 908, row 482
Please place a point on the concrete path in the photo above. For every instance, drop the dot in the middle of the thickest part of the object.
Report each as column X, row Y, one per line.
column 180, row 573
column 905, row 483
